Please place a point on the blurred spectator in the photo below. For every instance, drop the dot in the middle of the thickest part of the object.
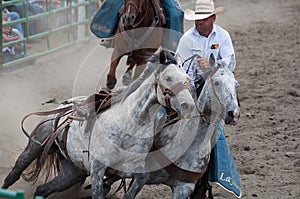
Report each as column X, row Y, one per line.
column 55, row 19
column 53, row 4
column 13, row 16
column 36, row 25
column 9, row 34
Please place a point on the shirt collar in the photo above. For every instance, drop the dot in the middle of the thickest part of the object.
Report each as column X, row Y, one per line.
column 195, row 32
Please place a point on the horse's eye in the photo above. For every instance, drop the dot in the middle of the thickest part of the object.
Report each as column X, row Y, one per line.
column 217, row 83
column 168, row 79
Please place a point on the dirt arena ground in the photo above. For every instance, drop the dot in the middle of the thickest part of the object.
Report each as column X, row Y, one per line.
column 266, row 142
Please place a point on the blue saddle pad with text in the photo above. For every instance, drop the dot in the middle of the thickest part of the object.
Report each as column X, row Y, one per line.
column 222, row 169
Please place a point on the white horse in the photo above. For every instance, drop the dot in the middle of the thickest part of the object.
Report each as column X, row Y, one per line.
column 120, row 138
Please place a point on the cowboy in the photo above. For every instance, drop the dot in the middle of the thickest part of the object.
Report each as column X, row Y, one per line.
column 204, row 39
column 200, row 41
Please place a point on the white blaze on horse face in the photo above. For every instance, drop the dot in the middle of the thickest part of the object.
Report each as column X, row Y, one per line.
column 183, row 101
column 128, row 11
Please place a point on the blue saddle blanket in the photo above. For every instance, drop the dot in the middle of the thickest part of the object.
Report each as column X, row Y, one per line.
column 222, row 169
column 105, row 22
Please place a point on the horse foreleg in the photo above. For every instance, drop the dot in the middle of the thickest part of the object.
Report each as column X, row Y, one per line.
column 111, row 80
column 127, row 77
column 182, row 190
column 139, row 180
column 139, row 70
column 68, row 176
column 97, row 175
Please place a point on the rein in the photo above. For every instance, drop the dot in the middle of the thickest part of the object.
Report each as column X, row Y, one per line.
column 66, row 110
column 211, row 74
column 190, row 58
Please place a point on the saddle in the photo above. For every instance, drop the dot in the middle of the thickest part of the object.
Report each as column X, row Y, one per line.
column 81, row 110
column 88, row 111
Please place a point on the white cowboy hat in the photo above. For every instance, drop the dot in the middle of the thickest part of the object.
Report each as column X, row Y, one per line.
column 203, row 10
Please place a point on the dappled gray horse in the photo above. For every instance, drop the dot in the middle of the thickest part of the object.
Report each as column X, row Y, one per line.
column 119, row 139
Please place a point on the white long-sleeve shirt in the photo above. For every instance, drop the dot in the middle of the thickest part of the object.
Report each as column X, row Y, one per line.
column 217, row 43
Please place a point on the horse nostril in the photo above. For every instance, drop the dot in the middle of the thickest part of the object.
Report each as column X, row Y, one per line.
column 132, row 19
column 185, row 110
column 125, row 18
column 230, row 114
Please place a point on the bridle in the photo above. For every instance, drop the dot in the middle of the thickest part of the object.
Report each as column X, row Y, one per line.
column 213, row 86
column 136, row 42
column 210, row 76
column 132, row 3
column 171, row 92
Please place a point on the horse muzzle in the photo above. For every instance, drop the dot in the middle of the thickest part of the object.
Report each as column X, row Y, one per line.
column 232, row 117
column 129, row 19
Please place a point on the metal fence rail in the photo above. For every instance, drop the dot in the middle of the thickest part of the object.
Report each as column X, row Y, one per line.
column 50, row 35
column 5, row 193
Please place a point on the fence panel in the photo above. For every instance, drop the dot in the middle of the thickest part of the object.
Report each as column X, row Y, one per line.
column 47, row 26
column 5, row 193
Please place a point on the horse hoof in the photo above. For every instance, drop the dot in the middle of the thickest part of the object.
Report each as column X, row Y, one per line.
column 111, row 82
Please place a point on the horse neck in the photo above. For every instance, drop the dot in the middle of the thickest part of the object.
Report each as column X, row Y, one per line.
column 148, row 10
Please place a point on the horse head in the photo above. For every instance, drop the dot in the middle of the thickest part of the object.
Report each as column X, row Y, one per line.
column 218, row 95
column 173, row 85
column 169, row 81
column 132, row 8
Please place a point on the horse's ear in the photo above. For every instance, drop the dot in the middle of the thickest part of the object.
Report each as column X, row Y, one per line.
column 231, row 65
column 212, row 60
column 178, row 59
column 162, row 57
column 236, row 84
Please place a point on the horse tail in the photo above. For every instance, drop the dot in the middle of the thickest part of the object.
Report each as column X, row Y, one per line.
column 48, row 165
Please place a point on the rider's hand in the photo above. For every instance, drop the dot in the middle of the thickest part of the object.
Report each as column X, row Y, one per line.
column 203, row 62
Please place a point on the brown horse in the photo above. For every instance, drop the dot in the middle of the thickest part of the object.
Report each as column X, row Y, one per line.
column 138, row 36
